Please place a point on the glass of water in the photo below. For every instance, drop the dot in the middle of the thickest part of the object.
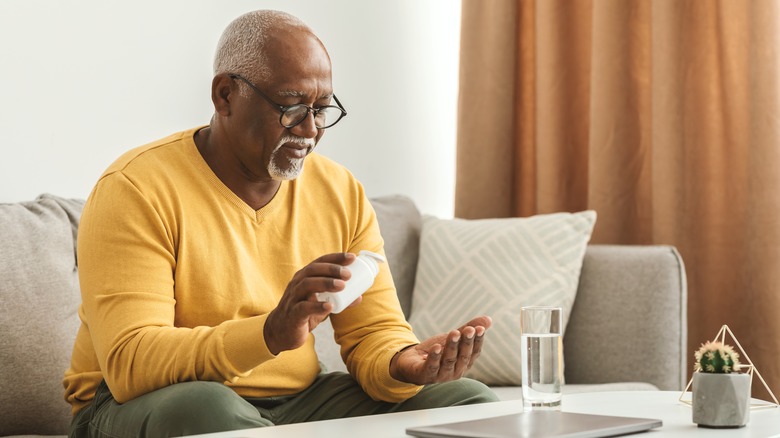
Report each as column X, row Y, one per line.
column 542, row 357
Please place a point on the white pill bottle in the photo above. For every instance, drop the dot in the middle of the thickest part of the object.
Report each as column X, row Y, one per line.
column 364, row 270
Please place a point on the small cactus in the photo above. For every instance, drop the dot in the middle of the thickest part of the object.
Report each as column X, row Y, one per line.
column 716, row 357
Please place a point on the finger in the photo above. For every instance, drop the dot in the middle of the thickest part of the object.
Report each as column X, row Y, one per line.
column 338, row 258
column 329, row 265
column 307, row 288
column 321, row 269
column 306, row 310
column 450, row 355
column 476, row 349
column 465, row 349
column 432, row 365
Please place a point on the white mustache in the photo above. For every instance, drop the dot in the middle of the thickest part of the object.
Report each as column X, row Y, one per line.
column 308, row 142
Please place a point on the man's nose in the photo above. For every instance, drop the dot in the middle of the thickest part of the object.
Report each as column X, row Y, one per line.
column 306, row 128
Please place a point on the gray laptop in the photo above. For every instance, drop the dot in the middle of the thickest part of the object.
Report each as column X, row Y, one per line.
column 539, row 424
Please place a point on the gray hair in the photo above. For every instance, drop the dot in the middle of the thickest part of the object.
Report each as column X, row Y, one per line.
column 241, row 49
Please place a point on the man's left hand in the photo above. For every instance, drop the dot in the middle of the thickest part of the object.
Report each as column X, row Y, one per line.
column 443, row 357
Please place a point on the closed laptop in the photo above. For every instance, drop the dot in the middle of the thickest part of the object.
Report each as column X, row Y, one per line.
column 538, row 424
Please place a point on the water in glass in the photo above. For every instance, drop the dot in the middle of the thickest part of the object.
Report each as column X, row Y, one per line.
column 541, row 356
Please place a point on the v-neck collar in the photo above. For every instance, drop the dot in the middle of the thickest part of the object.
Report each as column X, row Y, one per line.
column 204, row 168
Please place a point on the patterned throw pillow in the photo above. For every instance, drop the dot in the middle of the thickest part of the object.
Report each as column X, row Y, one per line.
column 493, row 267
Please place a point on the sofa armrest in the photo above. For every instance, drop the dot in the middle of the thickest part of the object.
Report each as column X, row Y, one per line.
column 629, row 320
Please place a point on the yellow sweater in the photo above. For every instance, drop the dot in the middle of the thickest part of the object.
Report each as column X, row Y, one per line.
column 178, row 275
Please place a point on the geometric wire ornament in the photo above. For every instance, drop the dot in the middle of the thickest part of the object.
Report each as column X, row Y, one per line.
column 751, row 369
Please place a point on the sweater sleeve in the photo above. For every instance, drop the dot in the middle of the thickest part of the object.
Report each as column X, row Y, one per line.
column 371, row 333
column 127, row 260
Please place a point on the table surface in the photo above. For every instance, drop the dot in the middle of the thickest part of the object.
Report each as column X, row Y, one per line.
column 664, row 405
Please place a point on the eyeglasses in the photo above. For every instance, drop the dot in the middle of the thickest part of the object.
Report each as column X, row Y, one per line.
column 292, row 115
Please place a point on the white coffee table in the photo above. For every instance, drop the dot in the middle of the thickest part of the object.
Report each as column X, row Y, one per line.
column 664, row 405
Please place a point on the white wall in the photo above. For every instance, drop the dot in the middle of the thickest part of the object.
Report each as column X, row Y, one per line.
column 83, row 81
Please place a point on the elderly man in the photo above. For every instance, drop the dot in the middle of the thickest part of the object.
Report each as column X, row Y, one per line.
column 200, row 256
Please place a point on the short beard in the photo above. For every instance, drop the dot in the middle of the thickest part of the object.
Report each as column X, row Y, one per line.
column 295, row 165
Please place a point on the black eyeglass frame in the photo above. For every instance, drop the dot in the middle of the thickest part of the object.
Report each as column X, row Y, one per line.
column 283, row 109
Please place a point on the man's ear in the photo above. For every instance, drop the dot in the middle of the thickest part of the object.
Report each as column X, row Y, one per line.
column 222, row 89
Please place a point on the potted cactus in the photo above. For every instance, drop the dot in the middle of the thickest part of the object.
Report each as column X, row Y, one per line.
column 721, row 394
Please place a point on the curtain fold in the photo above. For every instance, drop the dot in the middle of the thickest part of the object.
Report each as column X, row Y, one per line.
column 661, row 115
column 491, row 44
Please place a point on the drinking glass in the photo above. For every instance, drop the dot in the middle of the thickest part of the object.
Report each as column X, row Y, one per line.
column 541, row 357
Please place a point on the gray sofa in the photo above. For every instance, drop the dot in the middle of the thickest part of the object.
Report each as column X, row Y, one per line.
column 627, row 328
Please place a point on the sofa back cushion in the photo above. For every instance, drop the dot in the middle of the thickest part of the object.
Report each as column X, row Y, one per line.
column 630, row 296
column 39, row 299
column 495, row 267
column 400, row 223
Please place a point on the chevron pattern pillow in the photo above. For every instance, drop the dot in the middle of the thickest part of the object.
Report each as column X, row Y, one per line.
column 493, row 267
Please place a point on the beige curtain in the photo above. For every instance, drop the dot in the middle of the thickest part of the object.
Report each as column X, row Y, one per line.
column 662, row 115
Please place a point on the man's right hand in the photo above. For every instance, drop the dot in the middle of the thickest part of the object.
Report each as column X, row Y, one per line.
column 299, row 312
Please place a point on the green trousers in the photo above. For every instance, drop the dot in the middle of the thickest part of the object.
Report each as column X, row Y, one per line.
column 202, row 407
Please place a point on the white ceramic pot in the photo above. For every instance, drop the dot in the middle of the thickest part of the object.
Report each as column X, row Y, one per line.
column 721, row 400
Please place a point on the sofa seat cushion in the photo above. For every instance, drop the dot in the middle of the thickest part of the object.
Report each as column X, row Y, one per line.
column 516, row 392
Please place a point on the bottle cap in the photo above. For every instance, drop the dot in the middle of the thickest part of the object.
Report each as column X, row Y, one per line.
column 374, row 257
